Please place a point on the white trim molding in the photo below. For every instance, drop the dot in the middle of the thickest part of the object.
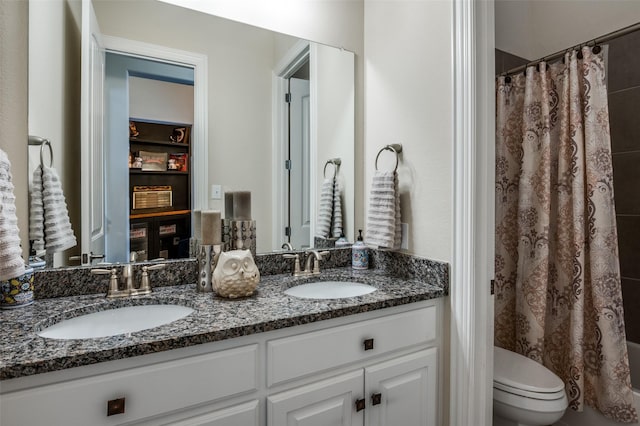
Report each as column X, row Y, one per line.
column 199, row 136
column 291, row 61
column 471, row 395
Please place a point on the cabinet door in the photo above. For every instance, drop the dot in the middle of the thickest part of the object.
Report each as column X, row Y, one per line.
column 402, row 391
column 328, row 402
column 246, row 414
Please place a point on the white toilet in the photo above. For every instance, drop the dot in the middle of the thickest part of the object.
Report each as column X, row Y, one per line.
column 525, row 393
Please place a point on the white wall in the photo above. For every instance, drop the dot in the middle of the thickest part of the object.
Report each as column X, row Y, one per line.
column 332, row 70
column 408, row 100
column 533, row 29
column 54, row 97
column 240, row 63
column 336, row 23
column 160, row 100
column 13, row 103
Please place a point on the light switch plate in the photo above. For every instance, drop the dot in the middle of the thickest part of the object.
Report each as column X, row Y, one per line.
column 216, row 192
column 404, row 244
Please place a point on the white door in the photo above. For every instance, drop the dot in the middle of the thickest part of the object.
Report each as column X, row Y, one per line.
column 402, row 391
column 92, row 176
column 329, row 402
column 300, row 163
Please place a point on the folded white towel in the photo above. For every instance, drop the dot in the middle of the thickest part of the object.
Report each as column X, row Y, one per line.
column 336, row 225
column 49, row 224
column 11, row 262
column 325, row 209
column 384, row 227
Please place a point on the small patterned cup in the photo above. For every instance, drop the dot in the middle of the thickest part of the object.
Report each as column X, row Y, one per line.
column 17, row 292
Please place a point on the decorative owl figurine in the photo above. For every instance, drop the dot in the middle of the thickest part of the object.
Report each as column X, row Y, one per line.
column 236, row 274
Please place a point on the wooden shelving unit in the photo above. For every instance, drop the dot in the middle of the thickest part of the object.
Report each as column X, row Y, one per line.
column 160, row 228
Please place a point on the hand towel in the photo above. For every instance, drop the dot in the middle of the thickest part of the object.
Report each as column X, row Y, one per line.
column 336, row 223
column 36, row 212
column 49, row 224
column 384, row 227
column 11, row 262
column 325, row 208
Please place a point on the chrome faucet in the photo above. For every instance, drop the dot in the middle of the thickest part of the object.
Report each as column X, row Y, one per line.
column 287, row 246
column 317, row 256
column 128, row 287
column 127, row 271
column 314, row 255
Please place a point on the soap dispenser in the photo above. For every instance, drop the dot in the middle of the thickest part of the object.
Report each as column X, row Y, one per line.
column 359, row 254
column 342, row 241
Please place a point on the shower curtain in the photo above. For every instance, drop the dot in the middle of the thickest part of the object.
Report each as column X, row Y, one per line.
column 558, row 298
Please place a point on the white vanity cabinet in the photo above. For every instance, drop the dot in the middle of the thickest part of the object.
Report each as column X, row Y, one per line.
column 374, row 368
column 401, row 390
column 135, row 394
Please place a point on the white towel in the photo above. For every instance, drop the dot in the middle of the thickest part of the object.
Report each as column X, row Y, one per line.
column 325, row 209
column 11, row 262
column 384, row 227
column 336, row 223
column 36, row 212
column 49, row 223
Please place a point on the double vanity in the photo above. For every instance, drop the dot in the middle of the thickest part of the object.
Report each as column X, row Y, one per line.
column 344, row 347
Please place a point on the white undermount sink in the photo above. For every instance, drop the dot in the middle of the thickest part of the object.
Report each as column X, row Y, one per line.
column 112, row 322
column 329, row 290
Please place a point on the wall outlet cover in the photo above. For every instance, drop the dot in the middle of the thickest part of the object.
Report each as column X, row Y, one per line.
column 216, row 192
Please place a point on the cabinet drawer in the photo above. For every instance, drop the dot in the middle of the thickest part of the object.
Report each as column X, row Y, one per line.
column 247, row 414
column 309, row 353
column 148, row 391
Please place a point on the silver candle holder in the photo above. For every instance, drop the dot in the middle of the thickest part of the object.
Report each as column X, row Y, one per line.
column 239, row 235
column 207, row 259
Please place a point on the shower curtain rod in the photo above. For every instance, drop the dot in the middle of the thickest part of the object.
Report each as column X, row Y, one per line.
column 560, row 53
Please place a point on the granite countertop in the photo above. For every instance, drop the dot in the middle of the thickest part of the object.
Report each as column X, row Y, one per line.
column 24, row 353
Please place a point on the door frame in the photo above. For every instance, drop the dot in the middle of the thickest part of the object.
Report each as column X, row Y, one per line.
column 290, row 62
column 471, row 327
column 199, row 136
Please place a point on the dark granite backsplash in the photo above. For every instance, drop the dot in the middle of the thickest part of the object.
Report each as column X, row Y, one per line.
column 408, row 266
column 63, row 282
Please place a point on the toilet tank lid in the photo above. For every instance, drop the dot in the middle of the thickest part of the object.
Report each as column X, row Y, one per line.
column 518, row 371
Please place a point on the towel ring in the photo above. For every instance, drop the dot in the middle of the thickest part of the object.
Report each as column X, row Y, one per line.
column 396, row 148
column 37, row 140
column 47, row 143
column 336, row 166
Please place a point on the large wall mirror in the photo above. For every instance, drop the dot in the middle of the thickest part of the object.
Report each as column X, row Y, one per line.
column 228, row 83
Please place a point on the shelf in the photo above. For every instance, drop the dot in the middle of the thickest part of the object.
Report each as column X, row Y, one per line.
column 155, row 142
column 158, row 214
column 153, row 172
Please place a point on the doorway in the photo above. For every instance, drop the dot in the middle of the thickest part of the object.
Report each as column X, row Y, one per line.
column 293, row 149
column 140, row 88
column 299, row 161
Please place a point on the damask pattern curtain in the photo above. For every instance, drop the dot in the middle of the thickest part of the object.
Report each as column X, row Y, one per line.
column 558, row 298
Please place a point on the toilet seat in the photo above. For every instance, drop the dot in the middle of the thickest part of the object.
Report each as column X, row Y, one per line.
column 525, row 392
column 519, row 375
column 506, row 399
column 544, row 396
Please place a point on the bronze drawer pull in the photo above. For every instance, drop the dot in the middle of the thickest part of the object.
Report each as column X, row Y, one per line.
column 359, row 404
column 368, row 344
column 376, row 399
column 115, row 406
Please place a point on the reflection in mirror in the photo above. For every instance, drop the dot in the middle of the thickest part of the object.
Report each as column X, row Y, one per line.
column 239, row 124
